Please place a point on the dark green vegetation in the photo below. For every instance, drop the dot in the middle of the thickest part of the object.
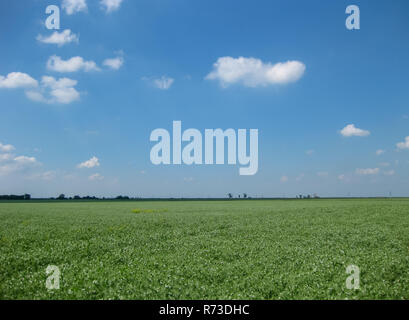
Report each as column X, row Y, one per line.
column 295, row 249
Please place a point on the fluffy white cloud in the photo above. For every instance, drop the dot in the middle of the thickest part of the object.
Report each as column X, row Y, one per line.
column 58, row 91
column 379, row 152
column 59, row 38
column 74, row 6
column 253, row 72
column 403, row 145
column 17, row 80
column 114, row 63
column 163, row 83
column 6, row 147
column 91, row 163
column 74, row 64
column 23, row 160
column 110, row 5
column 11, row 164
column 350, row 131
column 368, row 171
column 95, row 177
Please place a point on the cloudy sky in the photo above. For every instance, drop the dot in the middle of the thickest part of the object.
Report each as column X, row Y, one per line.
column 78, row 104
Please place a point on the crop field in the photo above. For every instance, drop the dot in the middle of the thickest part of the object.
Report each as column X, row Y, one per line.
column 250, row 249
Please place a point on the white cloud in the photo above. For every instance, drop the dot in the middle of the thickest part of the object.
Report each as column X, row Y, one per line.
column 163, row 83
column 341, row 177
column 403, row 145
column 17, row 80
column 379, row 152
column 58, row 91
column 284, row 179
column 35, row 96
column 74, row 64
column 23, row 160
column 11, row 164
column 114, row 63
column 74, row 6
column 110, row 5
column 368, row 171
column 59, row 38
column 389, row 173
column 350, row 131
column 6, row 147
column 5, row 157
column 252, row 72
column 91, row 163
column 95, row 177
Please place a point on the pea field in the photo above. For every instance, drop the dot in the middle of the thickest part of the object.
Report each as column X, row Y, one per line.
column 240, row 249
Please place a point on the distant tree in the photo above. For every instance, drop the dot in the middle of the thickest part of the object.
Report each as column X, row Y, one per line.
column 27, row 197
column 77, row 198
column 245, row 195
column 14, row 197
column 230, row 196
column 122, row 198
column 61, row 197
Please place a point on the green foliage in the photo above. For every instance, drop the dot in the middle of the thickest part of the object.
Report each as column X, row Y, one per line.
column 246, row 249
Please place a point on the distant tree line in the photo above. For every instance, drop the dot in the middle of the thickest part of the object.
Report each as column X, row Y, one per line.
column 63, row 197
column 243, row 196
column 15, row 197
column 308, row 196
column 300, row 196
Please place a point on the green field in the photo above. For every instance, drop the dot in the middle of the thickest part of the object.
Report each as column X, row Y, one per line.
column 264, row 249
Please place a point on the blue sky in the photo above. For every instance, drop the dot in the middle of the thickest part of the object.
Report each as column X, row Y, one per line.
column 142, row 64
